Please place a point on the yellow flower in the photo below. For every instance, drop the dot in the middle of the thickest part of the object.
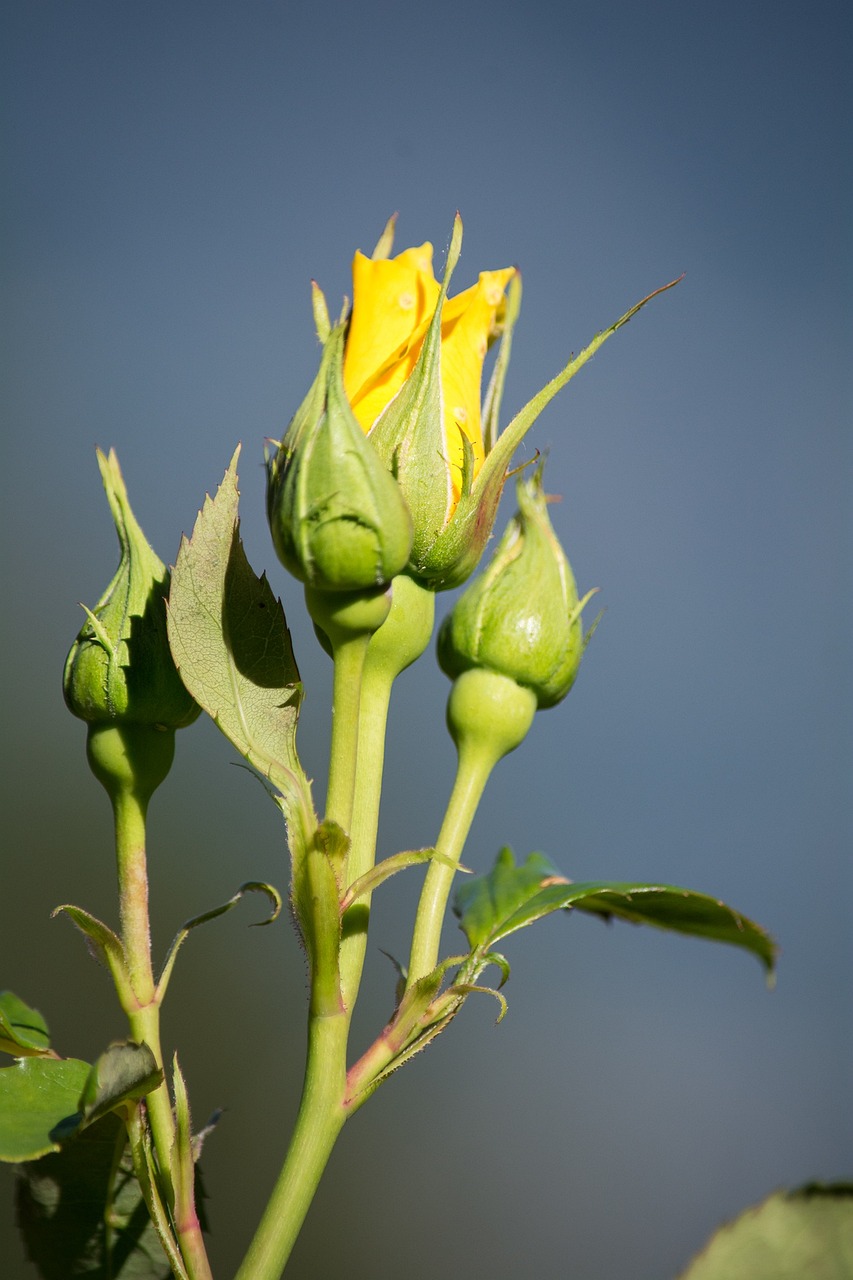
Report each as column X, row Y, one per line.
column 412, row 374
column 394, row 300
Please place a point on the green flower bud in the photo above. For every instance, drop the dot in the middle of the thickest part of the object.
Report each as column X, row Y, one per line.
column 521, row 617
column 338, row 518
column 120, row 669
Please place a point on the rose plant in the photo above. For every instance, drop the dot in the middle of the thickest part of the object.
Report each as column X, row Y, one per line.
column 384, row 490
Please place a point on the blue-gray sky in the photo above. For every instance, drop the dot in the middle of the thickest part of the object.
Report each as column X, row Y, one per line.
column 176, row 175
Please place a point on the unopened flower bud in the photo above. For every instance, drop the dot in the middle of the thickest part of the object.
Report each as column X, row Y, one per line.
column 120, row 669
column 521, row 617
column 338, row 518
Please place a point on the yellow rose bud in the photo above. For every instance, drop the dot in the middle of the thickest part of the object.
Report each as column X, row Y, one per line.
column 413, row 367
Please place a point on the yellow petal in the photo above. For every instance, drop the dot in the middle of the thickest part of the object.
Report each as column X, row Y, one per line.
column 393, row 300
column 467, row 325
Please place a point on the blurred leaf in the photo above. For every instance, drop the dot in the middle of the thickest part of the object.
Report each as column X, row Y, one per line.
column 123, row 1073
column 81, row 1211
column 23, row 1031
column 39, row 1102
column 510, row 897
column 231, row 644
column 790, row 1236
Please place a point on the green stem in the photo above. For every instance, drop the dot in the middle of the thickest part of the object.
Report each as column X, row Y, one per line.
column 143, row 1013
column 472, row 774
column 349, row 656
column 375, row 699
column 131, row 761
column 398, row 643
column 321, row 1117
column 488, row 715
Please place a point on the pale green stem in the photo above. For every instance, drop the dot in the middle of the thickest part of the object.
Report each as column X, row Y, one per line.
column 476, row 761
column 143, row 1013
column 375, row 699
column 321, row 1117
column 343, row 752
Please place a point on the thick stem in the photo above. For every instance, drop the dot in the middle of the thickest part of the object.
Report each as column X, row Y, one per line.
column 349, row 658
column 398, row 643
column 375, row 698
column 321, row 1117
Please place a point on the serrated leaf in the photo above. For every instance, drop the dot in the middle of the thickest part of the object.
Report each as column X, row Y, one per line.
column 511, row 897
column 791, row 1235
column 39, row 1103
column 231, row 644
column 23, row 1031
column 81, row 1212
column 125, row 1072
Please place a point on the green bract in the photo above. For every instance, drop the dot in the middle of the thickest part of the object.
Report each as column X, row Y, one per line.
column 120, row 669
column 338, row 518
column 521, row 617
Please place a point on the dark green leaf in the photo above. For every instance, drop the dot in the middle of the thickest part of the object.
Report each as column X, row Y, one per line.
column 492, row 906
column 39, row 1103
column 231, row 644
column 65, row 1201
column 790, row 1236
column 23, row 1031
column 124, row 1073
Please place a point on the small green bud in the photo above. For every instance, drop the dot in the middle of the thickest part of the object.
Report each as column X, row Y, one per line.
column 338, row 518
column 522, row 616
column 120, row 668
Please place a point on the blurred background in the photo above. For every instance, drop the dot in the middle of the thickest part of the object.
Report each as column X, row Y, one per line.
column 176, row 175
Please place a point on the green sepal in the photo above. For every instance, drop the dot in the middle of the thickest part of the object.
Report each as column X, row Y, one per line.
column 457, row 551
column 251, row 886
column 119, row 669
column 790, row 1235
column 338, row 520
column 39, row 1105
column 23, row 1031
column 511, row 897
column 231, row 644
column 81, row 1211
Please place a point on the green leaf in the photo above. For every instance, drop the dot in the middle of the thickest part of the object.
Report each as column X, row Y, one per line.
column 492, row 906
column 251, row 886
column 39, row 1103
column 81, row 1212
column 791, row 1235
column 23, row 1031
column 232, row 647
column 123, row 1073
